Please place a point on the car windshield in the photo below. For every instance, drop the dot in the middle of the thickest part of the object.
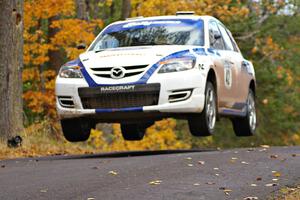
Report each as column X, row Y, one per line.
column 151, row 32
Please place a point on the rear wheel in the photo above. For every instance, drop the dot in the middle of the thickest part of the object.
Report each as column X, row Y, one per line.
column 76, row 130
column 246, row 126
column 203, row 124
column 134, row 131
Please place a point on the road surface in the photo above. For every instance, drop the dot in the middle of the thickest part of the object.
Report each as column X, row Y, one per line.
column 212, row 175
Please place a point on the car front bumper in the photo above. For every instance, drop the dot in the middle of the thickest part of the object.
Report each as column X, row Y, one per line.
column 179, row 92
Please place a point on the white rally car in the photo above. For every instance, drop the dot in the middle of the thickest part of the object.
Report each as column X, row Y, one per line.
column 141, row 70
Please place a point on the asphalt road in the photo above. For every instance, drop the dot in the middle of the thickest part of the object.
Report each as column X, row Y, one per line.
column 214, row 175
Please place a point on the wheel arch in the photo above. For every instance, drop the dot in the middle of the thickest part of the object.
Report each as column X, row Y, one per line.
column 212, row 77
column 252, row 86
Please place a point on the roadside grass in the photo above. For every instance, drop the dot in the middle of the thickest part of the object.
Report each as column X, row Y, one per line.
column 45, row 138
column 286, row 193
column 39, row 140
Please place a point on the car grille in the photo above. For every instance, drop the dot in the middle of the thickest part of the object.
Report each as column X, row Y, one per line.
column 105, row 72
column 114, row 97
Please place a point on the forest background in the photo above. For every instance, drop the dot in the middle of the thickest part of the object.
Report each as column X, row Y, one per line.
column 267, row 32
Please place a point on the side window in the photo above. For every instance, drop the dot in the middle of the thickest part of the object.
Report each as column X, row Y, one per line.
column 232, row 41
column 227, row 40
column 213, row 30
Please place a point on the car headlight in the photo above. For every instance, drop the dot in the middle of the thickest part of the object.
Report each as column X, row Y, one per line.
column 70, row 72
column 176, row 65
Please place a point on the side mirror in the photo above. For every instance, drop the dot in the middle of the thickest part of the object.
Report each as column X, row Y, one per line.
column 217, row 35
column 81, row 46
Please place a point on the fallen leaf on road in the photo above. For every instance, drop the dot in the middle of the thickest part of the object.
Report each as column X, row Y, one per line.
column 251, row 149
column 253, row 185
column 113, row 173
column 271, row 184
column 261, row 150
column 201, row 162
column 225, row 190
column 2, row 166
column 90, row 198
column 44, row 190
column 274, row 156
column 251, row 198
column 244, row 162
column 294, row 155
column 210, row 183
column 276, row 174
column 156, row 182
column 258, row 178
column 190, row 165
column 95, row 167
column 265, row 146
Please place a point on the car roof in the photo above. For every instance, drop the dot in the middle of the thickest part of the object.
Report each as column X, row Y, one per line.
column 166, row 17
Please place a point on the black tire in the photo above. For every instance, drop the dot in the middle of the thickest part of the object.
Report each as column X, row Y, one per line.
column 133, row 132
column 203, row 124
column 243, row 126
column 76, row 130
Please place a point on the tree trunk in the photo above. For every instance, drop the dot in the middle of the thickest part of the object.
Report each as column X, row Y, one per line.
column 81, row 9
column 55, row 56
column 11, row 56
column 126, row 8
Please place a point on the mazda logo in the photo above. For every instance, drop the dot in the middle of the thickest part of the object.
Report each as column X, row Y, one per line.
column 117, row 72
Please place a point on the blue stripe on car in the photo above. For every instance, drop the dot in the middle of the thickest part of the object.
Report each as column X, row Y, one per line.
column 109, row 110
column 213, row 51
column 234, row 112
column 200, row 51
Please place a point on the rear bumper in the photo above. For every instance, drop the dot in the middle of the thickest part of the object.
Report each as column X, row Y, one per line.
column 178, row 105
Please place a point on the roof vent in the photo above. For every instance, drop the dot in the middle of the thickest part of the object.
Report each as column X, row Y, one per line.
column 133, row 18
column 185, row 13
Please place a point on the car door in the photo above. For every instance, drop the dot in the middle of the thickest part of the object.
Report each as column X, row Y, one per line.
column 242, row 65
column 232, row 70
column 222, row 64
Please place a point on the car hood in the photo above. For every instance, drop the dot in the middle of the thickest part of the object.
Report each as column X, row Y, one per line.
column 137, row 62
column 127, row 56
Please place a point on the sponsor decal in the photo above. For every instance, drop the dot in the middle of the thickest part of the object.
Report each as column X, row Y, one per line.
column 117, row 88
column 149, row 23
column 227, row 75
column 121, row 54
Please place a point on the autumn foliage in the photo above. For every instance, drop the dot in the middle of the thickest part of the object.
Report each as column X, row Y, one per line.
column 38, row 78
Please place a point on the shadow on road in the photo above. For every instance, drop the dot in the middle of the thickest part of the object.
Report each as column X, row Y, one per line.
column 112, row 154
column 136, row 153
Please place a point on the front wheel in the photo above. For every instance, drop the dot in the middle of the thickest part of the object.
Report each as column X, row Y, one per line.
column 134, row 132
column 246, row 126
column 203, row 124
column 77, row 129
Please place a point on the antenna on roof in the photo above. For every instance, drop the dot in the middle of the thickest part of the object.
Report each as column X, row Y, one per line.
column 185, row 13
